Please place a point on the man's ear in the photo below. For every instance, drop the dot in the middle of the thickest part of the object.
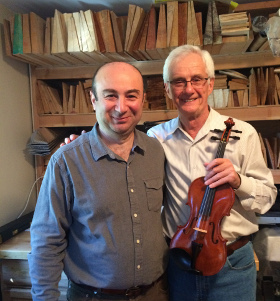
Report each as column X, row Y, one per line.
column 92, row 99
column 167, row 89
column 211, row 86
column 144, row 98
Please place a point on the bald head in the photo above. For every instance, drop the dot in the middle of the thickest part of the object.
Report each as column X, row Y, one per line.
column 121, row 66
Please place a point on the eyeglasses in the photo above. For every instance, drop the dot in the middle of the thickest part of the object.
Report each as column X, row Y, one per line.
column 182, row 83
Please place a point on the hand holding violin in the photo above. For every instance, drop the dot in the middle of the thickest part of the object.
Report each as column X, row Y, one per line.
column 221, row 171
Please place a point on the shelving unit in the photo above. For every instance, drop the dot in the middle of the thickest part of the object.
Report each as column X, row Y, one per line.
column 268, row 117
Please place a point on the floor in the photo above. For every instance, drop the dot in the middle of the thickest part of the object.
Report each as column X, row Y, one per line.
column 268, row 290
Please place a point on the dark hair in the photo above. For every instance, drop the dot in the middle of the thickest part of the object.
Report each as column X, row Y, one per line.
column 100, row 67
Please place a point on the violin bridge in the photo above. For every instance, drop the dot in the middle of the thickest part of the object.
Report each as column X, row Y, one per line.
column 200, row 230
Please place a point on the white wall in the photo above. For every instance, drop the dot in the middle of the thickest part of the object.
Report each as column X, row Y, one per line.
column 17, row 172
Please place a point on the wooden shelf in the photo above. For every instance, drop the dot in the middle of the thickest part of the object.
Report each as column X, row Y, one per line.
column 259, row 113
column 234, row 61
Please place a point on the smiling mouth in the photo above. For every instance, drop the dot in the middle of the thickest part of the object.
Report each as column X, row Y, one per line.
column 120, row 119
column 187, row 100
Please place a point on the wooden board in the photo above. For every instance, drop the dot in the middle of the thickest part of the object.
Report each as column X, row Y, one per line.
column 151, row 36
column 161, row 42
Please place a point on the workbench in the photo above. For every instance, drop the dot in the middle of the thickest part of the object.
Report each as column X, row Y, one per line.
column 15, row 279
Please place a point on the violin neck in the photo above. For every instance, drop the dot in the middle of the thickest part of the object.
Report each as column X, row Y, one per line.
column 207, row 202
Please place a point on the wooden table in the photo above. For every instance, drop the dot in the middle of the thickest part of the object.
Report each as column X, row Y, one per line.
column 15, row 279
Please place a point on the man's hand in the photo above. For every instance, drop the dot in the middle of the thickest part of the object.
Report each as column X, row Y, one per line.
column 221, row 171
column 71, row 138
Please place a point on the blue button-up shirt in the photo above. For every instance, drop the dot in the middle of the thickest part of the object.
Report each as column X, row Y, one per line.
column 98, row 217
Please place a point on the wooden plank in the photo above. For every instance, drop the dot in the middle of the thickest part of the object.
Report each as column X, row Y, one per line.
column 65, row 97
column 173, row 40
column 169, row 16
column 95, row 53
column 79, row 40
column 253, row 100
column 271, row 87
column 270, row 155
column 40, row 40
column 263, row 148
column 59, row 40
column 122, row 23
column 208, row 32
column 151, row 36
column 236, row 44
column 142, row 45
column 73, row 34
column 26, row 40
column 55, row 99
column 58, row 36
column 217, row 38
column 87, row 44
column 136, row 53
column 7, row 37
column 161, row 43
column 44, row 100
column 258, row 41
column 12, row 28
column 130, row 17
column 193, row 35
column 182, row 23
column 118, row 37
column 76, row 107
column 117, row 34
column 92, row 30
column 18, row 43
column 37, row 29
column 277, row 81
column 74, row 21
column 235, row 32
column 138, row 19
column 108, row 36
column 56, row 61
column 76, row 38
column 265, row 87
column 256, row 6
column 198, row 17
column 71, row 101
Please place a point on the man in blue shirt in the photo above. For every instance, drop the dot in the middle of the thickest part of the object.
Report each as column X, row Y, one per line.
column 98, row 211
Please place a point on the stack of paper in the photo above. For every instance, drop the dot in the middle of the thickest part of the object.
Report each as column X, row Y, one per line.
column 44, row 140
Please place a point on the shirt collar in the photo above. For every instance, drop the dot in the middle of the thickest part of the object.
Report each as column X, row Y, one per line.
column 99, row 148
column 210, row 123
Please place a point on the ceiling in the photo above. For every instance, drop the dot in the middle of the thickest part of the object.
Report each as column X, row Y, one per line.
column 45, row 8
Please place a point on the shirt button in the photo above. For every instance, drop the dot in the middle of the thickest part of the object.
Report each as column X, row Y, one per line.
column 138, row 267
column 135, row 214
column 138, row 241
column 131, row 190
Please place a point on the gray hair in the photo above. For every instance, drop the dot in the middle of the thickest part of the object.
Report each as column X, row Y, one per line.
column 183, row 51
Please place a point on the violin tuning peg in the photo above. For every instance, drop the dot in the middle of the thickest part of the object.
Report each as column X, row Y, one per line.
column 218, row 131
column 236, row 131
column 234, row 137
column 215, row 138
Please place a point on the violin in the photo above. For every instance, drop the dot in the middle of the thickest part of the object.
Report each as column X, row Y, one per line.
column 199, row 246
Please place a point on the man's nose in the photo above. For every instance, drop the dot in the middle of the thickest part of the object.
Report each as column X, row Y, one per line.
column 188, row 87
column 121, row 105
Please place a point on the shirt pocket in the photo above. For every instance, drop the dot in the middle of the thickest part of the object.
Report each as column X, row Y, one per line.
column 154, row 193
